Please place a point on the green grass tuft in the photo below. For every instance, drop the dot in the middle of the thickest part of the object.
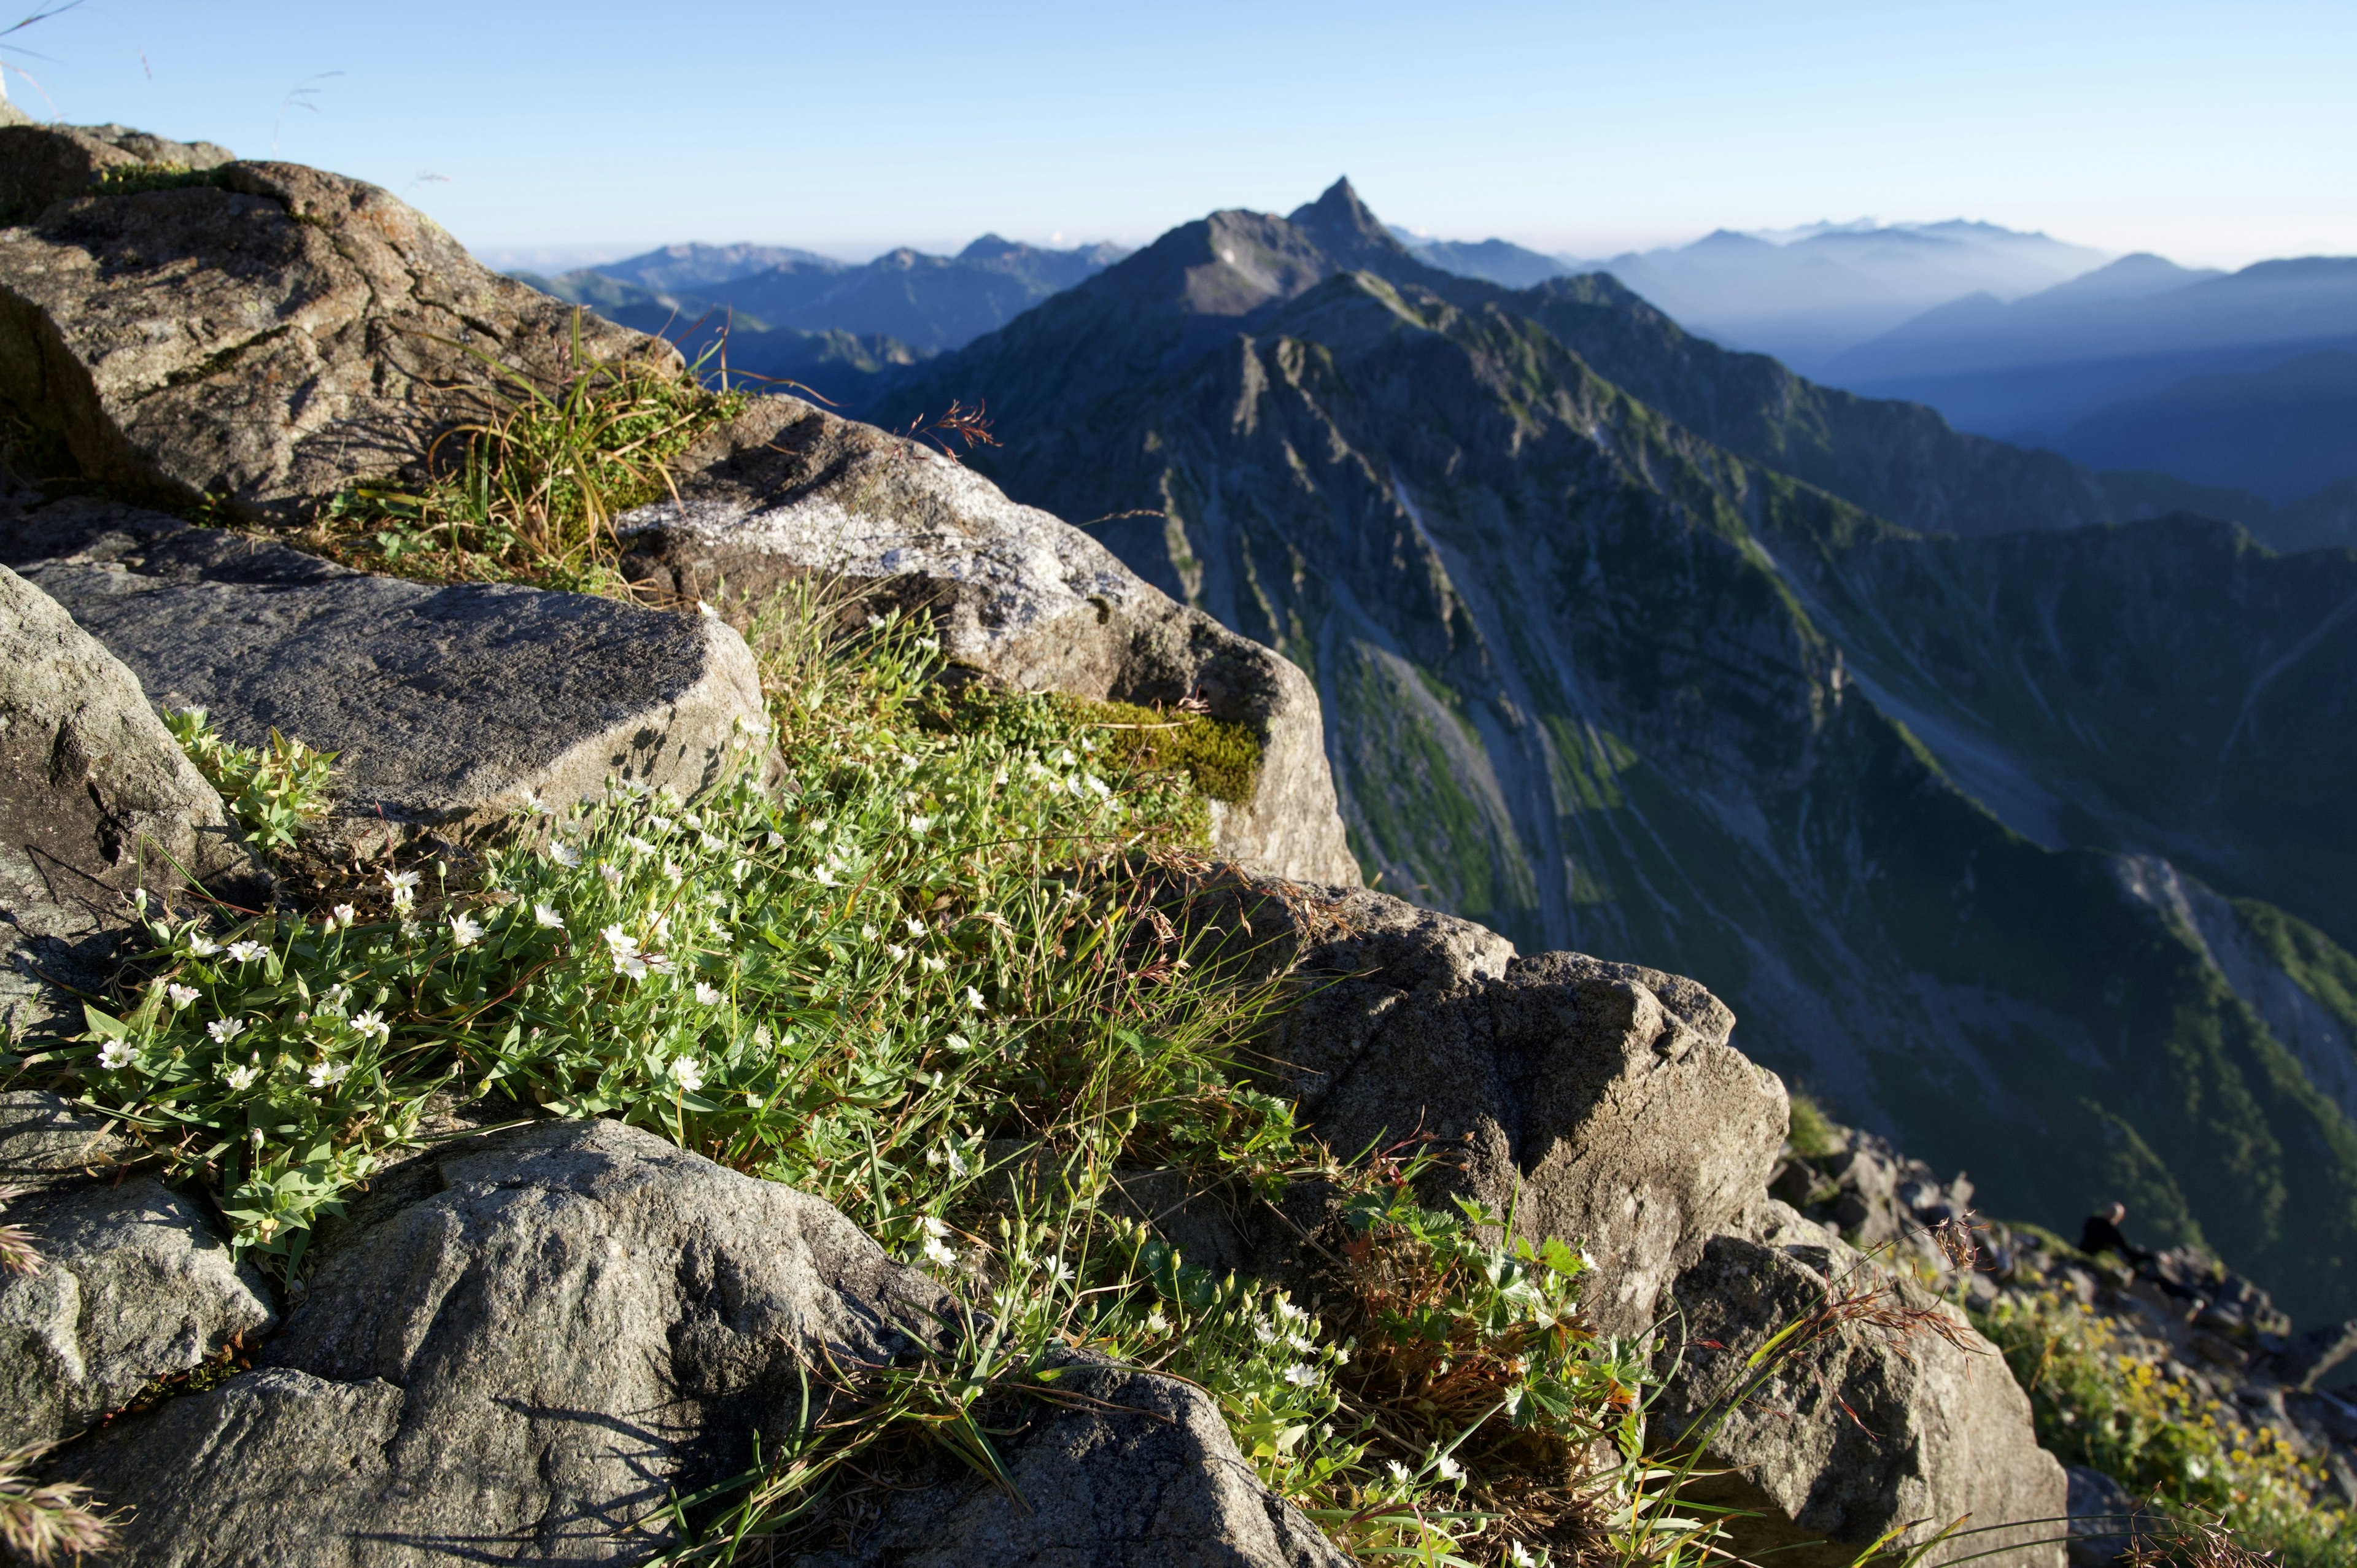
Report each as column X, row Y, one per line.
column 1810, row 1131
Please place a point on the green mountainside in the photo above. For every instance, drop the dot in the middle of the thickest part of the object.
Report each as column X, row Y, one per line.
column 1614, row 656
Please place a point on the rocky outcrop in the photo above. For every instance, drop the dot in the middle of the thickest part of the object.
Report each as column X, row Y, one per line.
column 133, row 1284
column 520, row 1347
column 96, row 801
column 261, row 333
column 445, row 706
column 1600, row 1102
column 789, row 490
column 1887, row 1409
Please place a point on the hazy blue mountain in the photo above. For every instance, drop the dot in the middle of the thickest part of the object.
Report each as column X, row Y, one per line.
column 929, row 303
column 1808, row 298
column 2028, row 844
column 693, row 266
column 1499, row 260
column 2285, row 431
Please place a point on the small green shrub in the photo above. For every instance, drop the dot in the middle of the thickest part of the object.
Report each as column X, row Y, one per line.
column 1220, row 756
column 2100, row 1403
column 271, row 790
column 129, row 179
column 528, row 488
column 1810, row 1131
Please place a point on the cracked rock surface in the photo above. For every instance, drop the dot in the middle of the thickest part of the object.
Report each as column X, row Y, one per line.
column 266, row 336
column 443, row 704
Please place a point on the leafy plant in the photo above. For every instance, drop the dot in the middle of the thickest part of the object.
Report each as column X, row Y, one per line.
column 2099, row 1401
column 528, row 486
column 271, row 790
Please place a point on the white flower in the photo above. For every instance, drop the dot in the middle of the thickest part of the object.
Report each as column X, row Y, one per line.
column 241, row 1079
column 636, row 844
column 823, row 876
column 919, row 825
column 736, row 872
column 974, row 998
column 342, row 916
column 932, row 965
column 1156, row 1323
column 563, row 853
column 660, row 824
column 334, row 995
column 711, row 846
column 774, row 839
column 939, row 1253
column 116, row 1055
column 868, row 933
column 371, row 1022
column 533, row 806
column 671, row 870
column 1519, row 1555
column 401, row 881
column 403, row 899
column 1300, row 1375
column 933, row 1225
column 611, row 872
column 895, row 951
column 1450, row 1470
column 694, row 822
column 916, row 928
column 179, row 995
column 657, row 963
column 630, row 964
column 957, row 1042
column 224, row 1030
column 326, row 1073
column 464, row 932
column 703, row 609
column 542, row 914
column 1264, row 1331
column 707, row 995
column 202, row 947
column 687, row 1073
column 1398, row 1471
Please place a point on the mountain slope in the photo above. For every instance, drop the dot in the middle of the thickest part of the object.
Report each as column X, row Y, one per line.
column 2285, row 431
column 1599, row 681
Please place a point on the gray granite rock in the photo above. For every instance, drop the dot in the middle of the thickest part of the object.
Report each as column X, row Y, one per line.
column 1864, row 1427
column 791, row 490
column 96, row 801
column 518, row 1346
column 134, row 1282
column 443, row 704
column 267, row 337
column 1598, row 1103
column 1158, row 1485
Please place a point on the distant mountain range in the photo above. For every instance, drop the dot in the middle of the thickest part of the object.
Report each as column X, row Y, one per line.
column 2015, row 826
column 796, row 314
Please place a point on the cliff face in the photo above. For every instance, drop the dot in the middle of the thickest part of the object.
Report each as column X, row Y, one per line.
column 1601, row 683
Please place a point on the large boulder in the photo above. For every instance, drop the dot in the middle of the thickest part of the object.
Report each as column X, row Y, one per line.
column 261, row 333
column 444, row 706
column 133, row 1283
column 96, row 802
column 790, row 492
column 1599, row 1102
column 522, row 1346
column 1888, row 1410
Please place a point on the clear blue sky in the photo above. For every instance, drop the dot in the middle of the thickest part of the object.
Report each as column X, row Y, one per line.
column 2213, row 133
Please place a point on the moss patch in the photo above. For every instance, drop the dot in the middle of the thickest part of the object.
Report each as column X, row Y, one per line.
column 1219, row 758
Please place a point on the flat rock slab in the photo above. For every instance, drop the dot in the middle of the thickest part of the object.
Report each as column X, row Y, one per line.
column 134, row 1282
column 267, row 335
column 791, row 491
column 96, row 801
column 519, row 1346
column 444, row 706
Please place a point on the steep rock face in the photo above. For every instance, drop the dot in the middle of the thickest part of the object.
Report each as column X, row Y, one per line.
column 789, row 490
column 445, row 706
column 133, row 1283
column 521, row 1345
column 262, row 333
column 1867, row 1425
column 97, row 802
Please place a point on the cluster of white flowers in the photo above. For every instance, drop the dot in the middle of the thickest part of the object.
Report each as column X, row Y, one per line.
column 937, row 1250
column 403, row 887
